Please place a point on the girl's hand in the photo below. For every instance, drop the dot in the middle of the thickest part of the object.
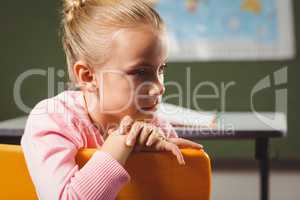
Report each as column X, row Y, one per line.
column 148, row 137
column 174, row 145
column 115, row 142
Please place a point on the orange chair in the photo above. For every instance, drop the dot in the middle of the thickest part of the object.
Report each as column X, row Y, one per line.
column 15, row 180
column 153, row 175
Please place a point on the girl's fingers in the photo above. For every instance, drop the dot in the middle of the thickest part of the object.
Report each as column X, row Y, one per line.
column 134, row 132
column 176, row 151
column 152, row 139
column 142, row 136
column 155, row 136
column 125, row 125
column 147, row 130
column 184, row 143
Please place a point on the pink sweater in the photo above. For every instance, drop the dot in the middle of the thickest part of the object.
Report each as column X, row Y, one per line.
column 56, row 128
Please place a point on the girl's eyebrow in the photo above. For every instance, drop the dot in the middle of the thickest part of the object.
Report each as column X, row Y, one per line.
column 141, row 63
column 144, row 64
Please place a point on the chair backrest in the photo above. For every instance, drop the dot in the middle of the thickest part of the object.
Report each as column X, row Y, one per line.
column 153, row 175
column 15, row 182
column 159, row 176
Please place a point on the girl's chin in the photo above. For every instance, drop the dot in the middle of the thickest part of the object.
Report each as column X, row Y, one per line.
column 145, row 115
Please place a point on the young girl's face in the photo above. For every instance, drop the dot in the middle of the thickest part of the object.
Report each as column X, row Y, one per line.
column 132, row 79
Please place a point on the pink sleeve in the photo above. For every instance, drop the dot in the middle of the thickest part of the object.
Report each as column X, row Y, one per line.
column 167, row 128
column 50, row 144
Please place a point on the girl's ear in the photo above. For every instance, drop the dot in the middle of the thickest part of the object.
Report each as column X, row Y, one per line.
column 85, row 76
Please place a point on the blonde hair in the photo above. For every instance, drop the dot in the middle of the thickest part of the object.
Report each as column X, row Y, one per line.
column 87, row 26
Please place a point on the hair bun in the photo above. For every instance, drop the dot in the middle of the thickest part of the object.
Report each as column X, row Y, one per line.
column 71, row 6
column 78, row 3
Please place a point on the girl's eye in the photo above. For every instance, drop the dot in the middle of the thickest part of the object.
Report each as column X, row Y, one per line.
column 144, row 71
column 139, row 72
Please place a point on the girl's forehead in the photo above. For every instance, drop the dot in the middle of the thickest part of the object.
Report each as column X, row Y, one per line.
column 138, row 39
column 133, row 46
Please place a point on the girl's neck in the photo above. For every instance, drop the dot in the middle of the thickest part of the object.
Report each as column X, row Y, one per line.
column 102, row 121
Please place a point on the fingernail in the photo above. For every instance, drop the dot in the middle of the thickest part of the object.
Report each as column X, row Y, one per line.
column 148, row 144
column 128, row 142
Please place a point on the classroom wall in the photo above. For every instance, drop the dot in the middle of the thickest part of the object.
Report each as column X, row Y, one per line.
column 29, row 40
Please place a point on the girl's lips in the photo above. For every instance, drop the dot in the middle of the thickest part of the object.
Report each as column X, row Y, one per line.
column 154, row 107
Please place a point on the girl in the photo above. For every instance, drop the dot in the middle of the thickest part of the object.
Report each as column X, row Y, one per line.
column 116, row 54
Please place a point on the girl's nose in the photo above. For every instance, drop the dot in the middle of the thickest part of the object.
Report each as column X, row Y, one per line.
column 157, row 89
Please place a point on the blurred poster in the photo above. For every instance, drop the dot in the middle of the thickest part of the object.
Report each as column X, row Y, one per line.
column 202, row 30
